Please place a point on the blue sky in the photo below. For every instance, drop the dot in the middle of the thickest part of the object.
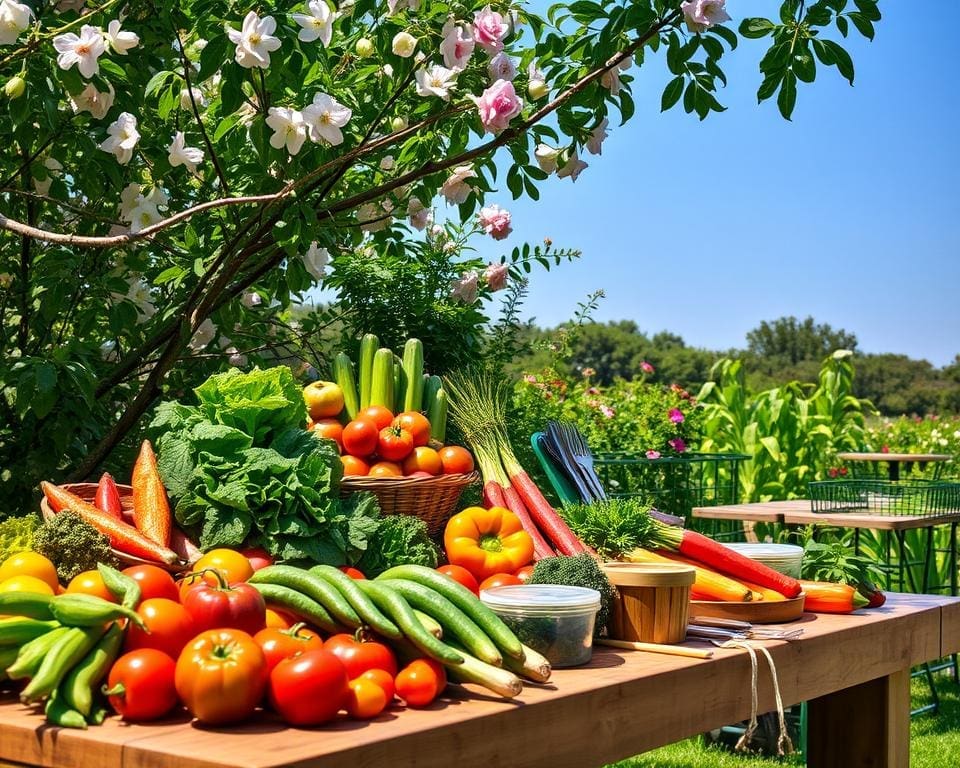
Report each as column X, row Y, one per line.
column 851, row 213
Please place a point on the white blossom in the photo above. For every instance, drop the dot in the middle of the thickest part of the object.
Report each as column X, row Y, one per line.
column 53, row 167
column 572, row 168
column 315, row 260
column 123, row 137
column 254, row 40
column 180, row 154
column 203, row 335
column 14, row 19
column 120, row 42
column 198, row 97
column 6, row 279
column 404, row 44
column 97, row 103
column 251, row 300
column 465, row 289
column 82, row 50
column 234, row 357
column 597, row 136
column 455, row 189
column 141, row 296
column 62, row 6
column 324, row 118
column 317, row 24
column 436, row 81
column 388, row 163
column 611, row 81
column 289, row 129
column 501, row 67
column 418, row 214
column 143, row 214
column 547, row 157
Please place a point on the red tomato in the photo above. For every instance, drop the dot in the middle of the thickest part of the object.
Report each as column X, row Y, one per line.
column 378, row 414
column 352, row 466
column 382, row 678
column 309, row 689
column 394, row 443
column 258, row 557
column 280, row 644
column 331, row 429
column 154, row 582
column 170, row 627
column 360, row 437
column 234, row 606
column 141, row 685
column 456, row 460
column 358, row 657
column 524, row 573
column 499, row 580
column 352, row 572
column 423, row 459
column 462, row 576
column 416, row 424
column 420, row 682
column 365, row 699
column 386, row 469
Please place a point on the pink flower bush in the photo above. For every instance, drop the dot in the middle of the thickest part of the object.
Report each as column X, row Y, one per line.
column 495, row 276
column 677, row 444
column 646, row 367
column 653, row 455
column 498, row 105
column 495, row 221
column 465, row 289
column 457, row 46
column 703, row 14
column 676, row 415
column 607, row 411
column 489, row 29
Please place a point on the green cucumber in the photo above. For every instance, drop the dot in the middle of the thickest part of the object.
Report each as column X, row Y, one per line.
column 32, row 654
column 400, row 611
column 368, row 348
column 399, row 385
column 381, row 388
column 413, row 368
column 429, row 623
column 363, row 605
column 455, row 622
column 312, row 586
column 431, row 385
column 437, row 416
column 342, row 373
column 299, row 604
column 465, row 600
column 17, row 630
column 500, row 681
column 30, row 604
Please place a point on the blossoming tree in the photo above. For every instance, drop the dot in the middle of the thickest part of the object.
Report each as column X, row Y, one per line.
column 172, row 169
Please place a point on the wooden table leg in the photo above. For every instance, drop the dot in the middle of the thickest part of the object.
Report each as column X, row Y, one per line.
column 866, row 725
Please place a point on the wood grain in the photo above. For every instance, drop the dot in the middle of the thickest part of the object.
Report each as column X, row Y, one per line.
column 623, row 703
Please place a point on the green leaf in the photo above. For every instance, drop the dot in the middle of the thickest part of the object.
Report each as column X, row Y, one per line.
column 755, row 28
column 842, row 25
column 804, row 66
column 863, row 24
column 672, row 93
column 868, row 8
column 787, row 99
column 154, row 83
column 769, row 86
column 843, row 61
column 727, row 34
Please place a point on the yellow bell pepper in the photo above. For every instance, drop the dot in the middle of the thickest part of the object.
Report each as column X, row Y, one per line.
column 487, row 541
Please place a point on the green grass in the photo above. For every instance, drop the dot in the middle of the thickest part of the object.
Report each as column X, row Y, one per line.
column 932, row 737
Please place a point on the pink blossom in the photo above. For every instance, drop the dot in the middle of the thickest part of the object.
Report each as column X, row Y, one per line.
column 653, row 455
column 646, row 367
column 495, row 276
column 676, row 416
column 607, row 411
column 703, row 14
column 677, row 444
column 455, row 189
column 885, row 448
column 465, row 289
column 588, row 372
column 832, row 471
column 495, row 221
column 489, row 29
column 529, row 378
column 498, row 105
column 457, row 45
column 592, row 391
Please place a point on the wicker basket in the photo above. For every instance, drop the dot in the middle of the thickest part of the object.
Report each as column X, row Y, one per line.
column 432, row 499
column 87, row 492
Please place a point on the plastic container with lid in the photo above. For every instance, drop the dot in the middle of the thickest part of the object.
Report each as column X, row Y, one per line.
column 554, row 620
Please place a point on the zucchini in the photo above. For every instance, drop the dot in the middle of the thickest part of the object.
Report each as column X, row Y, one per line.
column 381, row 387
column 311, row 586
column 465, row 600
column 399, row 385
column 438, row 417
column 368, row 347
column 455, row 622
column 429, row 623
column 500, row 681
column 342, row 371
column 363, row 605
column 400, row 611
column 534, row 666
column 431, row 385
column 300, row 605
column 413, row 368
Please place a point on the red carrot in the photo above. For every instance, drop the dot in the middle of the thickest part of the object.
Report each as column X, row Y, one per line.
column 108, row 497
column 545, row 516
column 493, row 494
column 514, row 503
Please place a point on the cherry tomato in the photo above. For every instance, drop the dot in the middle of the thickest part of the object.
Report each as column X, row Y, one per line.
column 416, row 424
column 462, row 576
column 354, row 467
column 524, row 573
column 279, row 619
column 352, row 572
column 499, row 580
column 233, row 606
column 90, row 583
column 331, row 429
column 423, row 459
column 154, row 582
column 386, row 469
column 360, row 437
column 382, row 678
column 366, row 699
column 420, row 682
column 456, row 460
column 394, row 443
column 309, row 689
column 358, row 657
column 258, row 557
column 280, row 644
column 30, row 564
column 170, row 627
column 141, row 685
column 378, row 414
column 232, row 564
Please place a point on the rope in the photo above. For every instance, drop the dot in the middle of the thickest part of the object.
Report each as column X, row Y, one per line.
column 784, row 744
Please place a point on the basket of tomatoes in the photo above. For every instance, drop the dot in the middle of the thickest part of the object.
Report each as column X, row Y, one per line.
column 395, row 458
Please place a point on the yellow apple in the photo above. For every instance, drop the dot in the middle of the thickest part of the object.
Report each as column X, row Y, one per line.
column 324, row 399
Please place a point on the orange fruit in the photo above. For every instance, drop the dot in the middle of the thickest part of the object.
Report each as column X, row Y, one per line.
column 30, row 564
column 90, row 583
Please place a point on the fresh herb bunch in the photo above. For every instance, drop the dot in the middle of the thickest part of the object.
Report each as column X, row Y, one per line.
column 611, row 527
column 16, row 534
column 838, row 563
column 73, row 545
column 398, row 540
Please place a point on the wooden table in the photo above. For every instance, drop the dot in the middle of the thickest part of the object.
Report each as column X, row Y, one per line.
column 854, row 670
column 893, row 460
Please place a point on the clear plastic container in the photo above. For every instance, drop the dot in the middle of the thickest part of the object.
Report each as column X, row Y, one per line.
column 554, row 620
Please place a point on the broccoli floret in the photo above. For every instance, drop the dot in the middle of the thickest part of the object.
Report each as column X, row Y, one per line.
column 578, row 571
column 16, row 535
column 399, row 540
column 73, row 545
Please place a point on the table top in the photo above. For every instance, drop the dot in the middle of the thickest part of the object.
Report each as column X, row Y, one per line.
column 904, row 457
column 621, row 704
column 798, row 512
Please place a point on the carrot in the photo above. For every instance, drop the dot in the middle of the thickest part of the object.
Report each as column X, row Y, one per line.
column 493, row 494
column 123, row 537
column 513, row 502
column 708, row 552
column 707, row 584
column 544, row 515
column 770, row 595
column 826, row 597
column 108, row 497
column 151, row 509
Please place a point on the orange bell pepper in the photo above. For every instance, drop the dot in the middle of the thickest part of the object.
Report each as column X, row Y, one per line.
column 487, row 541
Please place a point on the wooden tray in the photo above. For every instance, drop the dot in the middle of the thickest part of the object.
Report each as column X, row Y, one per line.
column 759, row 612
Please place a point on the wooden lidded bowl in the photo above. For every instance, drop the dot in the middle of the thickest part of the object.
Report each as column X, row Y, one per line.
column 653, row 602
